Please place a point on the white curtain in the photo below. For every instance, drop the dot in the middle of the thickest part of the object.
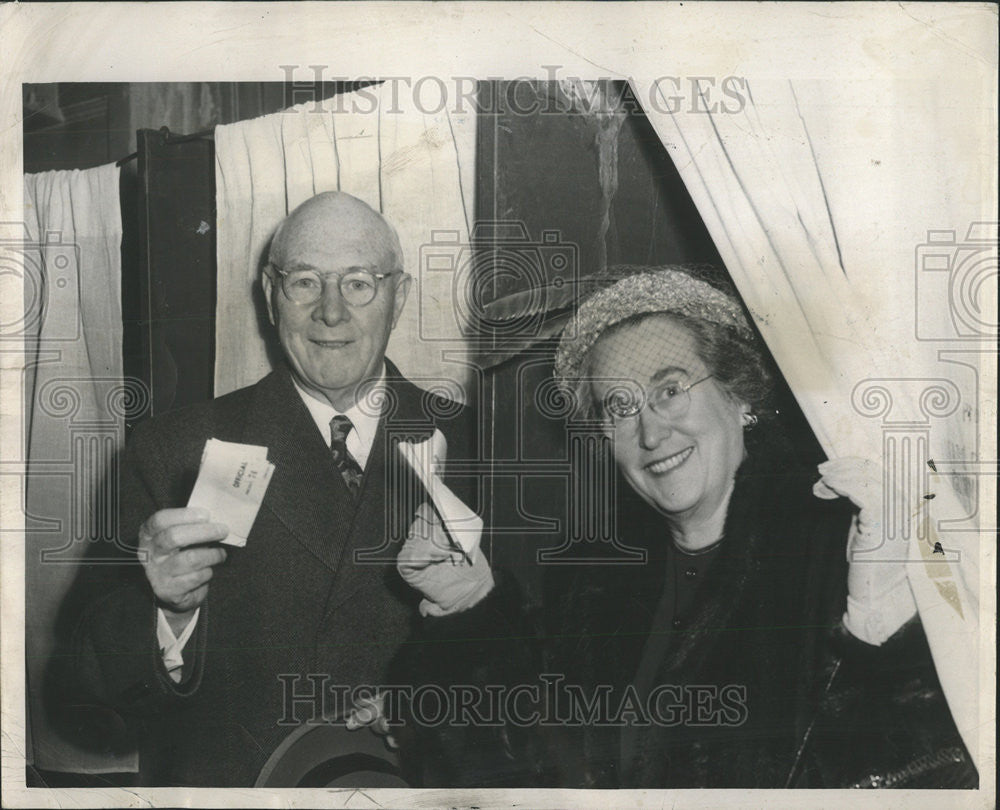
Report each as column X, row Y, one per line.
column 416, row 167
column 854, row 221
column 75, row 401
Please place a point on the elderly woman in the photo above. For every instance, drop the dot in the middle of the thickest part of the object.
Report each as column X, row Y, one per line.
column 720, row 655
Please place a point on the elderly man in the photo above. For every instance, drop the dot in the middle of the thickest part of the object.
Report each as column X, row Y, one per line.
column 214, row 650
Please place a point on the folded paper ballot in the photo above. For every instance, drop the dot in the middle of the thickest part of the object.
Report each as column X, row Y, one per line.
column 426, row 458
column 232, row 480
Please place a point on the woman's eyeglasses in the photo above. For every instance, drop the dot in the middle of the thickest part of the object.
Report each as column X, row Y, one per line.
column 305, row 287
column 670, row 399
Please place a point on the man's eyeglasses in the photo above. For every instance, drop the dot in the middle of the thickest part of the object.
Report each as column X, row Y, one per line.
column 670, row 399
column 305, row 287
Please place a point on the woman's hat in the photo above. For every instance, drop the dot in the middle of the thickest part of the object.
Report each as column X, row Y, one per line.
column 670, row 289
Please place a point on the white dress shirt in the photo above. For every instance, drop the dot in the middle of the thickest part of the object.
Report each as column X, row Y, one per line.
column 359, row 444
column 170, row 645
column 360, row 440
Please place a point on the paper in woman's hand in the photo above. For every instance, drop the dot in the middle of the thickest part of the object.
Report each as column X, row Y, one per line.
column 427, row 459
column 232, row 480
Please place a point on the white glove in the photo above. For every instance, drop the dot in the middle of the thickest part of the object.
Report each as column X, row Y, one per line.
column 441, row 572
column 879, row 600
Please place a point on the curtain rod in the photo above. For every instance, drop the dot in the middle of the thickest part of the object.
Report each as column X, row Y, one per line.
column 169, row 138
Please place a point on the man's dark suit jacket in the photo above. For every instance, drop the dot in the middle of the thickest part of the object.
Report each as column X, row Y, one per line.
column 295, row 602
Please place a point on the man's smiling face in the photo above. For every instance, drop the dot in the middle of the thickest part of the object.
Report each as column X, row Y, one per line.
column 331, row 345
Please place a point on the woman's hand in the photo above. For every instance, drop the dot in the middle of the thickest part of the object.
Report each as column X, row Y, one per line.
column 442, row 573
column 859, row 480
column 879, row 600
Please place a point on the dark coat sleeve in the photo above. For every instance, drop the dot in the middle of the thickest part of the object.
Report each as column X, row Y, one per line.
column 883, row 720
column 115, row 658
column 870, row 710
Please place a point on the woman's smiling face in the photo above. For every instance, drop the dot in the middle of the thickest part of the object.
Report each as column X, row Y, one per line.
column 682, row 462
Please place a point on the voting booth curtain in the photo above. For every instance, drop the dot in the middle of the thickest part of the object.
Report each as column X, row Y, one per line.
column 852, row 219
column 416, row 168
column 75, row 402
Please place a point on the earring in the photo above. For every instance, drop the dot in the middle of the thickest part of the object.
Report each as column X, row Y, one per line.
column 750, row 421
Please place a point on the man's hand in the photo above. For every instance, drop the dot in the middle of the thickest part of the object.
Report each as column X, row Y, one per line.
column 370, row 712
column 177, row 563
column 439, row 571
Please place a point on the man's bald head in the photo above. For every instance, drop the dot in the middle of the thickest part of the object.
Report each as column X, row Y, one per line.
column 335, row 288
column 330, row 218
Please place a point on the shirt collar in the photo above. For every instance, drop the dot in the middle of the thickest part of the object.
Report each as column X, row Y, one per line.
column 365, row 422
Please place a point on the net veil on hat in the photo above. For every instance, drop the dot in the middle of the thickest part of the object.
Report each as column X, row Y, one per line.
column 668, row 290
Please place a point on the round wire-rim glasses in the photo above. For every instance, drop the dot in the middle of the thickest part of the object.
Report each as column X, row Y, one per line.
column 305, row 287
column 670, row 399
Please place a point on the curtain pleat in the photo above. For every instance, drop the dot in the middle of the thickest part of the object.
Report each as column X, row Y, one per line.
column 76, row 400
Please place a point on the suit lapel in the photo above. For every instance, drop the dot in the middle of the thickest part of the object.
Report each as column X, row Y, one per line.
column 306, row 494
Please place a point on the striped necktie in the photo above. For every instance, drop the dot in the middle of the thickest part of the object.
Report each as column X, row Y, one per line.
column 346, row 464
